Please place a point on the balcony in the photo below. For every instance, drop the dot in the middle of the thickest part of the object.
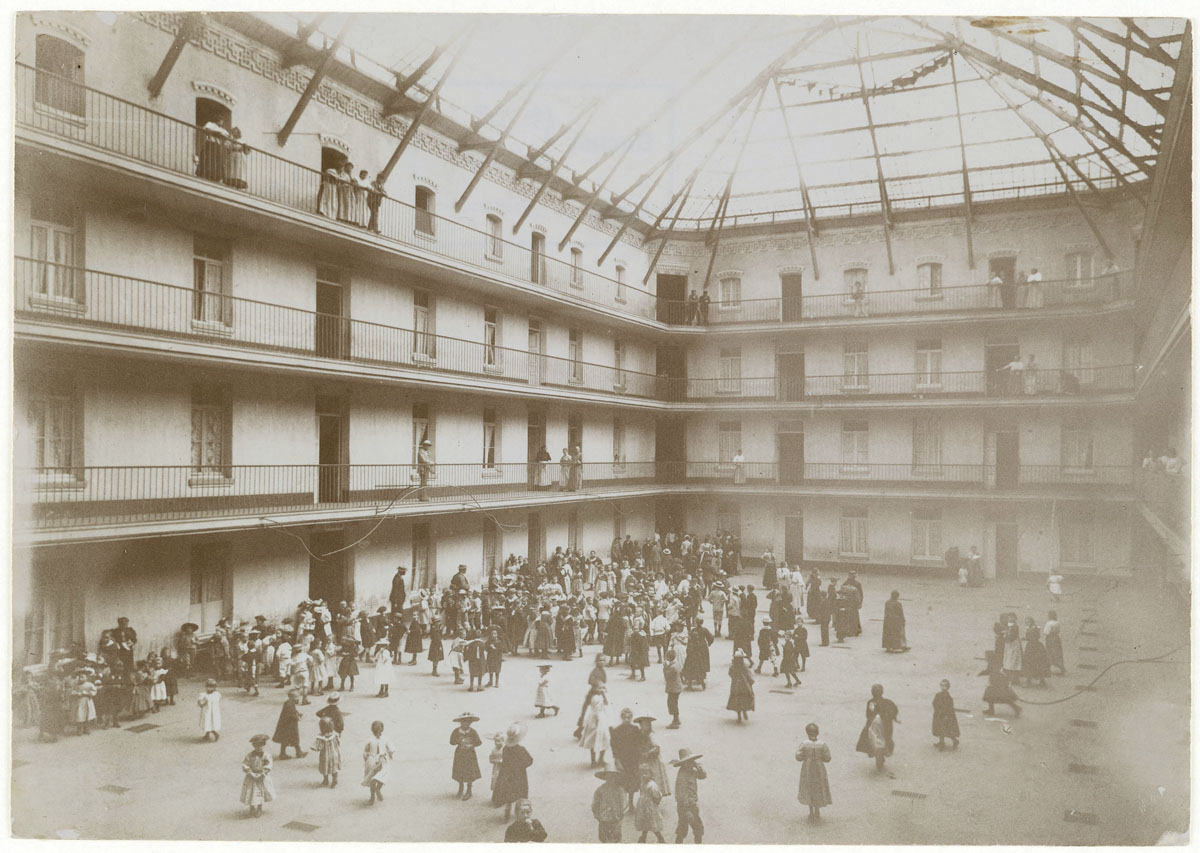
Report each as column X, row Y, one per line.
column 82, row 498
column 83, row 116
column 54, row 293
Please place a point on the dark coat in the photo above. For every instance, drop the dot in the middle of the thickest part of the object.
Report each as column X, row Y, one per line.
column 287, row 730
column 334, row 713
column 520, row 831
column 945, row 722
column 466, row 764
column 512, row 783
column 399, row 593
column 893, row 625
column 741, row 688
column 626, row 750
column 697, row 664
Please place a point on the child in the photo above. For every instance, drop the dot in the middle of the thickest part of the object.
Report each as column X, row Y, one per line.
column 474, row 654
column 494, row 648
column 287, row 730
column 608, row 806
column 814, row 781
column 651, row 754
column 210, row 711
column 257, row 787
column 141, row 703
column 647, row 818
column 171, row 678
column 112, row 695
column 639, row 654
column 1054, row 584
column 383, row 669
column 251, row 658
column 543, row 700
column 768, row 650
column 465, row 740
column 801, row 637
column 377, row 763
column 456, row 655
column 596, row 730
column 436, row 652
column 158, row 687
column 283, row 660
column 414, row 642
column 348, row 666
column 496, row 757
column 84, row 692
column 333, row 713
column 963, row 576
column 945, row 723
column 299, row 672
column 329, row 751
column 790, row 659
column 998, row 689
column 317, row 673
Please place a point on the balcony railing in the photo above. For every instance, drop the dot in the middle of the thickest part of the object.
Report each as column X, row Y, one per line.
column 82, row 497
column 89, row 117
column 1169, row 496
column 86, row 116
column 921, row 301
column 102, row 300
column 1068, row 382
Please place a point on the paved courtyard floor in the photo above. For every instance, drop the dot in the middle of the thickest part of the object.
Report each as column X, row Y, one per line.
column 1110, row 766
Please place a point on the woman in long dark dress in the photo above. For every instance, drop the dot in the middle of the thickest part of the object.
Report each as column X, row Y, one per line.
column 945, row 722
column 696, row 664
column 1035, row 663
column 876, row 737
column 614, row 638
column 512, row 783
column 741, row 687
column 998, row 689
column 465, row 741
column 893, row 625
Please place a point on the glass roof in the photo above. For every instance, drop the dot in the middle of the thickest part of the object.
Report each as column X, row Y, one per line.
column 742, row 114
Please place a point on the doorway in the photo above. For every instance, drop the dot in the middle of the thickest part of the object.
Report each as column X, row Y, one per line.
column 1004, row 458
column 1006, row 268
column 793, row 539
column 790, row 370
column 672, row 298
column 668, row 515
column 536, row 543
column 670, row 449
column 328, row 578
column 333, row 329
column 210, row 598
column 210, row 146
column 333, row 479
column 1007, row 556
column 537, row 352
column 1001, row 383
column 671, row 363
column 790, row 452
column 536, row 433
column 790, row 286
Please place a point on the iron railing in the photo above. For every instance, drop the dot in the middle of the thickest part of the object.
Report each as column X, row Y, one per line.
column 97, row 299
column 88, row 496
column 90, row 117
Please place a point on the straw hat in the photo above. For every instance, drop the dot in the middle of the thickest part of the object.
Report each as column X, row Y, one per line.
column 333, row 698
column 515, row 733
column 259, row 740
column 607, row 775
column 466, row 717
column 685, row 755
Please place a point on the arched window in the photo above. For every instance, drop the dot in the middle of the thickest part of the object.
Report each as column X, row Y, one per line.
column 423, row 199
column 495, row 238
column 60, row 75
column 577, row 267
column 537, row 258
column 213, row 122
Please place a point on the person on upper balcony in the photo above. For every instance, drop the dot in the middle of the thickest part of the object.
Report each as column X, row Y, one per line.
column 1170, row 462
column 1034, row 297
column 702, row 309
column 692, row 310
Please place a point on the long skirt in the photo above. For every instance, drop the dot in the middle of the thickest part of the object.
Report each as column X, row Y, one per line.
column 1054, row 650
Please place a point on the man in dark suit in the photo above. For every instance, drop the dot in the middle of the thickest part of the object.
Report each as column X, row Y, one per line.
column 399, row 593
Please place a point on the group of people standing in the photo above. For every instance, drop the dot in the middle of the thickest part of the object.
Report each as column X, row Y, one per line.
column 350, row 198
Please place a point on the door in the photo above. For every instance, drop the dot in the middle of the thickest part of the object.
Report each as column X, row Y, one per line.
column 537, row 352
column 1008, row 459
column 793, row 539
column 333, row 477
column 328, row 575
column 671, row 363
column 670, row 449
column 536, row 432
column 1007, row 557
column 790, row 293
column 1006, row 268
column 1002, row 383
column 790, row 367
column 668, row 514
column 536, row 544
column 333, row 331
column 672, row 294
column 790, row 443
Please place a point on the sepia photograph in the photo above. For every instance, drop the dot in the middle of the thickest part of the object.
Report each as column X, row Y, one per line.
column 551, row 369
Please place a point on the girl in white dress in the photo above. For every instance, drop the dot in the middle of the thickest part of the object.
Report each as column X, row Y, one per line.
column 383, row 669
column 377, row 762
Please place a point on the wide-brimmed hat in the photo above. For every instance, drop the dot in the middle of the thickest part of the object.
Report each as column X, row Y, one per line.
column 607, row 775
column 685, row 755
column 738, row 653
column 515, row 733
column 333, row 698
column 427, row 442
column 466, row 717
column 644, row 717
column 189, row 626
column 259, row 740
column 545, row 667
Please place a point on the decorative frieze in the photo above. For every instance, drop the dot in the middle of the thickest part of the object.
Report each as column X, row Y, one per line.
column 212, row 90
column 65, row 31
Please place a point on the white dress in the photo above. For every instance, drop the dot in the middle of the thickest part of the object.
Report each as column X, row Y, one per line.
column 383, row 668
column 543, row 699
column 210, row 711
column 377, row 761
column 595, row 727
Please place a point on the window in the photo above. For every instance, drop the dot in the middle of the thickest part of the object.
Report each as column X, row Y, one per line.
column 575, row 353
column 1079, row 360
column 729, row 519
column 926, row 447
column 729, row 371
column 211, row 431
column 855, row 280
column 54, row 419
column 491, row 439
column 575, row 431
column 424, row 335
column 1077, row 447
column 537, row 258
column 576, row 267
column 493, row 539
column 855, row 371
column 929, row 279
column 209, row 582
column 495, row 238
column 618, row 442
column 854, row 445
column 730, row 292
column 854, row 532
column 929, row 364
column 424, row 572
column 1079, row 269
column 210, row 281
column 573, row 529
column 423, row 199
column 729, row 441
column 927, row 534
column 422, row 429
column 619, row 365
column 491, row 338
column 618, row 523
column 59, row 83
column 52, row 238
column 620, row 283
column 1076, row 541
column 536, row 539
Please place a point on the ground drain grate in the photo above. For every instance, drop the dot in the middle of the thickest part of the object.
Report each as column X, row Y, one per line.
column 836, row 646
column 1085, row 724
column 1088, row 687
column 1086, row 666
column 1074, row 816
column 301, row 826
column 144, row 727
column 784, row 692
column 912, row 795
column 114, row 789
column 1083, row 768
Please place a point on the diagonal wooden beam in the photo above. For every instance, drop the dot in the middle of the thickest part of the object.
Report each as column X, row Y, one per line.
column 595, row 193
column 810, row 216
column 666, row 235
column 398, row 100
column 883, row 196
column 1153, row 50
column 962, row 150
column 534, row 85
column 314, row 83
column 1147, row 133
column 537, row 196
column 1122, row 79
column 189, row 28
column 793, row 70
column 1125, row 41
column 299, row 48
column 415, row 124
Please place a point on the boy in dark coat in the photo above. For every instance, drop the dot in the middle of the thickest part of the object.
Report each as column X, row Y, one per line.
column 287, row 730
column 333, row 713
